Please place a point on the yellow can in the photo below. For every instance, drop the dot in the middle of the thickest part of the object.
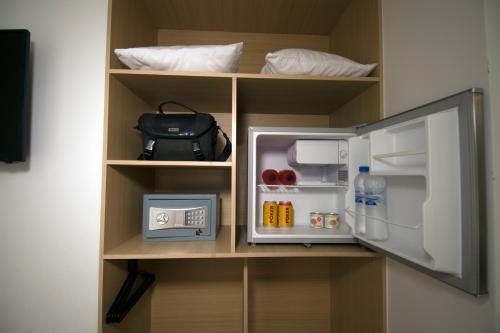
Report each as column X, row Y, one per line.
column 285, row 214
column 270, row 216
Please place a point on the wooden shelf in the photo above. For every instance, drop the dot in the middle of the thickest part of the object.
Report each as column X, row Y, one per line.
column 136, row 248
column 169, row 164
column 120, row 73
column 252, row 76
column 257, row 93
column 298, row 95
column 298, row 250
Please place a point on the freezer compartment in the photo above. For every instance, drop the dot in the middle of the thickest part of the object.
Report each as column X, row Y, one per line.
column 318, row 152
column 272, row 152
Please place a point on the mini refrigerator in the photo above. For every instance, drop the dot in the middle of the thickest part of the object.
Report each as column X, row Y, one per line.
column 432, row 160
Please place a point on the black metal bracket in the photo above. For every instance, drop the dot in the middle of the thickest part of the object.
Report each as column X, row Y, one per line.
column 126, row 299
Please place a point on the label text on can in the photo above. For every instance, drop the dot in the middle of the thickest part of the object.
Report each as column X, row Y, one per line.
column 285, row 214
column 270, row 214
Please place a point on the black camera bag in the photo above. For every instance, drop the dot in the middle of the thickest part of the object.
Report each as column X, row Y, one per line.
column 181, row 137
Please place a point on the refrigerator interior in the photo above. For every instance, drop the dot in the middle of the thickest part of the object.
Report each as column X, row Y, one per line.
column 319, row 188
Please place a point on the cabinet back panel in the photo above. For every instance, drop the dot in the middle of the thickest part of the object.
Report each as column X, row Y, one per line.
column 187, row 180
column 358, row 295
column 265, row 16
column 204, row 94
column 201, row 295
column 358, row 34
column 363, row 109
column 138, row 319
column 125, row 187
column 292, row 96
column 289, row 295
column 129, row 25
column 255, row 48
column 124, row 108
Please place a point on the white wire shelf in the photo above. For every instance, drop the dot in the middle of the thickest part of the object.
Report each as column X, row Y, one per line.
column 298, row 187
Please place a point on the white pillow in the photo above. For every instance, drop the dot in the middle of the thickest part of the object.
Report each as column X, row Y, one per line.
column 192, row 58
column 308, row 62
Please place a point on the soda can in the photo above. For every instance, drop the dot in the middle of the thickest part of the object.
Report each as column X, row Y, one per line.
column 316, row 220
column 270, row 216
column 332, row 220
column 285, row 214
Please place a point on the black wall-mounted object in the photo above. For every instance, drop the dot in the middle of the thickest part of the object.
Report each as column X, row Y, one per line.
column 14, row 84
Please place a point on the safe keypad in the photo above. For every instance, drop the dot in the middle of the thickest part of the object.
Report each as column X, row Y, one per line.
column 195, row 217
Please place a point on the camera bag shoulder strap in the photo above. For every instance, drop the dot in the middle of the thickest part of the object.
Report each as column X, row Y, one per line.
column 223, row 156
column 226, row 152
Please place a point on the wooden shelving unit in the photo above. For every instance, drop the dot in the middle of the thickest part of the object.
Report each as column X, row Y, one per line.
column 228, row 285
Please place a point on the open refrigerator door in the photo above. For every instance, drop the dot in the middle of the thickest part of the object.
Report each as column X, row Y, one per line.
column 433, row 217
column 430, row 162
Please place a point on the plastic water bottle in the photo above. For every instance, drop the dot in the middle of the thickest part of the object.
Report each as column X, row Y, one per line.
column 375, row 208
column 359, row 187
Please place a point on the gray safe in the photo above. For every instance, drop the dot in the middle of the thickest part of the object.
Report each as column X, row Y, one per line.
column 180, row 217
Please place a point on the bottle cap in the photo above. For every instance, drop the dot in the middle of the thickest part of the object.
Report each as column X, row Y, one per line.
column 285, row 203
column 364, row 168
column 371, row 203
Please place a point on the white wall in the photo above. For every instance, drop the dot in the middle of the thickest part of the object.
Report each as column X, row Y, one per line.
column 433, row 49
column 49, row 206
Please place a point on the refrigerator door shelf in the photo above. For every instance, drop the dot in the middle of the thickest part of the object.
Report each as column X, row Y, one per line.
column 431, row 144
